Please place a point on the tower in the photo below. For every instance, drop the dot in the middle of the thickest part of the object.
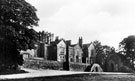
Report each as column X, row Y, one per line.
column 80, row 41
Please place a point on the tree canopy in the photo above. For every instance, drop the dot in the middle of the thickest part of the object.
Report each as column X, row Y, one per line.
column 127, row 47
column 103, row 49
column 98, row 47
column 102, row 53
column 17, row 19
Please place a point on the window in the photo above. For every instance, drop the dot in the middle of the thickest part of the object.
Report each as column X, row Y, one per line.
column 87, row 61
column 62, row 58
column 77, row 58
column 77, row 52
column 62, row 50
column 71, row 59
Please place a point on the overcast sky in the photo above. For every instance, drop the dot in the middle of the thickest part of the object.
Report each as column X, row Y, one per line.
column 108, row 21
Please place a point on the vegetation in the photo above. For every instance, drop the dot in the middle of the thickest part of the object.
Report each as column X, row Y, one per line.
column 102, row 53
column 42, row 64
column 17, row 18
column 103, row 49
column 127, row 49
column 98, row 47
column 82, row 77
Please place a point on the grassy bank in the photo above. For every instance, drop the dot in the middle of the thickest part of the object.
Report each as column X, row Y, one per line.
column 81, row 77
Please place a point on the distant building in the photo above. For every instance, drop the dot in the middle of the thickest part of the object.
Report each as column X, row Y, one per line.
column 45, row 37
column 77, row 51
column 44, row 40
column 71, row 54
column 28, row 53
column 42, row 51
column 89, row 53
column 86, row 54
column 92, row 53
column 57, row 50
column 70, row 51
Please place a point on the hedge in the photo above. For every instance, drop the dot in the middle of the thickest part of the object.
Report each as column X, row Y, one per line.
column 42, row 64
column 78, row 66
column 54, row 65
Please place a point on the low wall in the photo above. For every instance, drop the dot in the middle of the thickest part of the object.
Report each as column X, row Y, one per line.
column 78, row 66
column 42, row 64
column 54, row 65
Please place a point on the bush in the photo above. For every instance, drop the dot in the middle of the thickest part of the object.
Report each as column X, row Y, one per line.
column 126, row 69
column 54, row 65
column 78, row 66
column 42, row 64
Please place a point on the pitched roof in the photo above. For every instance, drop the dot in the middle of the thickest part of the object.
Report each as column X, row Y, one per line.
column 56, row 42
column 73, row 45
column 86, row 45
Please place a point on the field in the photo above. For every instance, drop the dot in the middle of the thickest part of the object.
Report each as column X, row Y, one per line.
column 92, row 78
column 55, row 75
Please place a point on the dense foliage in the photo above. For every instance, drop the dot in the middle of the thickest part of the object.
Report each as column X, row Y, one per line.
column 102, row 53
column 127, row 48
column 42, row 64
column 17, row 18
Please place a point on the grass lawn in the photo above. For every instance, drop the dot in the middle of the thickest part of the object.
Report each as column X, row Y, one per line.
column 75, row 77
column 81, row 77
column 94, row 77
column 5, row 72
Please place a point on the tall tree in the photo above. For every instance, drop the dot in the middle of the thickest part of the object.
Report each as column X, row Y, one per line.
column 17, row 18
column 102, row 53
column 103, row 49
column 98, row 47
column 127, row 48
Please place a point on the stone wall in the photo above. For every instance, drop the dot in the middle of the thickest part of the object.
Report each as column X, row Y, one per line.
column 42, row 64
column 54, row 65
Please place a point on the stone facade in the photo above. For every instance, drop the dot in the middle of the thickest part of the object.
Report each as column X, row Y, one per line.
column 61, row 51
column 28, row 53
column 85, row 57
column 92, row 53
column 71, row 54
column 77, row 53
column 42, row 51
column 57, row 51
column 89, row 53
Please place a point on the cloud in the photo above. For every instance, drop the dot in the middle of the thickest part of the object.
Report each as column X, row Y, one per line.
column 106, row 20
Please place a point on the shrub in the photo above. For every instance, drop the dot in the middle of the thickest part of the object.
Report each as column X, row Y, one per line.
column 125, row 69
column 78, row 66
column 42, row 64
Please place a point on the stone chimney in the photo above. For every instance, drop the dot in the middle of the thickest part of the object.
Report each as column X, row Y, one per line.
column 68, row 42
column 57, row 39
column 52, row 37
column 80, row 41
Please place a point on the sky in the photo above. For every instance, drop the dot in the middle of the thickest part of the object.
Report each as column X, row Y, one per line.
column 108, row 21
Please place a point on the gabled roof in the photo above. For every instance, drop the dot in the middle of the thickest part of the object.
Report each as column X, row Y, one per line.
column 56, row 42
column 73, row 45
column 86, row 45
